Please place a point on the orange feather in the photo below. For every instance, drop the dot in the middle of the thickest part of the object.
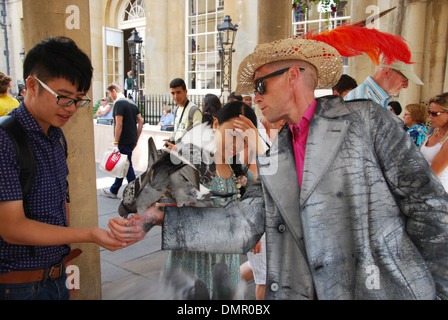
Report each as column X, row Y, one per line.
column 352, row 40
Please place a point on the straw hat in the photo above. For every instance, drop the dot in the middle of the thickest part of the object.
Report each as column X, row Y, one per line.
column 323, row 57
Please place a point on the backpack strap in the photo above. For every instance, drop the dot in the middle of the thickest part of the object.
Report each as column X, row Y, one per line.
column 24, row 154
column 192, row 111
column 26, row 161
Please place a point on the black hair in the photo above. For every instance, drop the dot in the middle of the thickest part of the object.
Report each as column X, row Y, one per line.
column 345, row 83
column 212, row 105
column 59, row 57
column 233, row 110
column 178, row 82
column 396, row 106
column 233, row 97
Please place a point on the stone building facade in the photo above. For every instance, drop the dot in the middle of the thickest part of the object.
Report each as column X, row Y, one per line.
column 180, row 40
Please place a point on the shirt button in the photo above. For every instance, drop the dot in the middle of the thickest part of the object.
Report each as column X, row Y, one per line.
column 281, row 228
column 274, row 287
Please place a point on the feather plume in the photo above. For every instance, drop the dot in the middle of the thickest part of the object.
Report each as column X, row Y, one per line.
column 353, row 40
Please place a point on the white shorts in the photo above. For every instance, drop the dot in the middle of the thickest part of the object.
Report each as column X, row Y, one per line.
column 257, row 262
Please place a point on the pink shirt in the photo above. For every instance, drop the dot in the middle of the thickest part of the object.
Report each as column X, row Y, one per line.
column 299, row 138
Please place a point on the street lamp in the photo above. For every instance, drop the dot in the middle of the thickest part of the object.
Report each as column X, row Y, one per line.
column 227, row 33
column 135, row 47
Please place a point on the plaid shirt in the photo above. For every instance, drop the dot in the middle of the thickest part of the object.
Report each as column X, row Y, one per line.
column 47, row 195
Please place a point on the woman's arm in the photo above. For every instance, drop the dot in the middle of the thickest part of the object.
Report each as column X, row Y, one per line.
column 440, row 161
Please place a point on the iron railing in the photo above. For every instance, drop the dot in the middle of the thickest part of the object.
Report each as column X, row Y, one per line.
column 151, row 105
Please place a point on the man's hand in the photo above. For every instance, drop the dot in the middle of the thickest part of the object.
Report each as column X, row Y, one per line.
column 107, row 240
column 134, row 229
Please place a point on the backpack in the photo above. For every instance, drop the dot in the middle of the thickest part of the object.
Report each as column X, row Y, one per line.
column 190, row 114
column 24, row 154
column 26, row 160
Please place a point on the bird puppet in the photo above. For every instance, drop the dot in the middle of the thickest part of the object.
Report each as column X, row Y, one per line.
column 176, row 177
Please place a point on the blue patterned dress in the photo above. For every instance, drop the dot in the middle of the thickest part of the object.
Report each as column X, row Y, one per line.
column 418, row 133
column 200, row 263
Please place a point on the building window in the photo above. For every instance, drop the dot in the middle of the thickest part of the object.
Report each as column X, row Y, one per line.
column 315, row 20
column 133, row 16
column 203, row 68
column 113, row 53
column 135, row 10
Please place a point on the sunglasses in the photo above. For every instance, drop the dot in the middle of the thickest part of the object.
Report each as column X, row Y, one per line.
column 260, row 87
column 435, row 114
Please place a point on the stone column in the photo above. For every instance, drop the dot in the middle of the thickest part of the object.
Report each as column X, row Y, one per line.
column 71, row 18
column 274, row 20
column 243, row 13
column 435, row 63
column 156, row 65
column 414, row 33
column 361, row 66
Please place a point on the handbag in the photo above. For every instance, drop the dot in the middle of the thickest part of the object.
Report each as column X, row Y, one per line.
column 166, row 128
column 115, row 163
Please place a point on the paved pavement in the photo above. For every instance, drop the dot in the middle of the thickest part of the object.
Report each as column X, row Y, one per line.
column 133, row 272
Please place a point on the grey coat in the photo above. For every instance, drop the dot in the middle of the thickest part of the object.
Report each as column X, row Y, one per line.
column 369, row 222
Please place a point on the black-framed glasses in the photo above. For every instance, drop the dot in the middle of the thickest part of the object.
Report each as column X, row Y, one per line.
column 260, row 87
column 403, row 77
column 65, row 101
column 435, row 114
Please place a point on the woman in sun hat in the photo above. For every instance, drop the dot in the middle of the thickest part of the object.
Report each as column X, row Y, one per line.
column 333, row 192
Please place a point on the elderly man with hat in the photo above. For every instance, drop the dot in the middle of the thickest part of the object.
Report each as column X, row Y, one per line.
column 350, row 208
column 386, row 82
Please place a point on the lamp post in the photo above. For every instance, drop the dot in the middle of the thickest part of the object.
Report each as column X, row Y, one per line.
column 227, row 33
column 135, row 47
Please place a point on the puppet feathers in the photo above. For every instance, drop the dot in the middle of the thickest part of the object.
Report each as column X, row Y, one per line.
column 352, row 40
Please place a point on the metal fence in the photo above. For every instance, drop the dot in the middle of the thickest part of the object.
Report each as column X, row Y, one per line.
column 151, row 106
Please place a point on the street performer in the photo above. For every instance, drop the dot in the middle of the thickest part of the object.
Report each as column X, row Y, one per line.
column 353, row 211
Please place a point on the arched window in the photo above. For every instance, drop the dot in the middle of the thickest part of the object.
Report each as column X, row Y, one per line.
column 135, row 10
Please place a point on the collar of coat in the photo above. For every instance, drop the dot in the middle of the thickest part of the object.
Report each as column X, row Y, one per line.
column 328, row 128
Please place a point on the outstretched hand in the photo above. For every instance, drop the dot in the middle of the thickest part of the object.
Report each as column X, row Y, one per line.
column 107, row 240
column 135, row 228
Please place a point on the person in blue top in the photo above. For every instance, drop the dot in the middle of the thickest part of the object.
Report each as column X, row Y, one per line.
column 415, row 119
column 105, row 112
column 167, row 118
column 33, row 246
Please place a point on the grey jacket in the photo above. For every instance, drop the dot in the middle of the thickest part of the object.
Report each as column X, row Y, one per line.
column 369, row 222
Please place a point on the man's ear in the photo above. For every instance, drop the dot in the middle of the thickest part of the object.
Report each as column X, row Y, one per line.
column 32, row 86
column 293, row 73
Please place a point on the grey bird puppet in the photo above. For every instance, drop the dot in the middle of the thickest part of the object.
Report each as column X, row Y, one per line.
column 175, row 177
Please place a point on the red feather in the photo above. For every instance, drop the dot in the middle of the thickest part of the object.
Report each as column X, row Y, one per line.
column 351, row 40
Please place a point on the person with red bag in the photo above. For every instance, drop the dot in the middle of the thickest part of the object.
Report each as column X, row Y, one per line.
column 128, row 128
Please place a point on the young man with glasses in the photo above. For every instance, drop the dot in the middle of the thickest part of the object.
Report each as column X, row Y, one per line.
column 34, row 231
column 386, row 82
